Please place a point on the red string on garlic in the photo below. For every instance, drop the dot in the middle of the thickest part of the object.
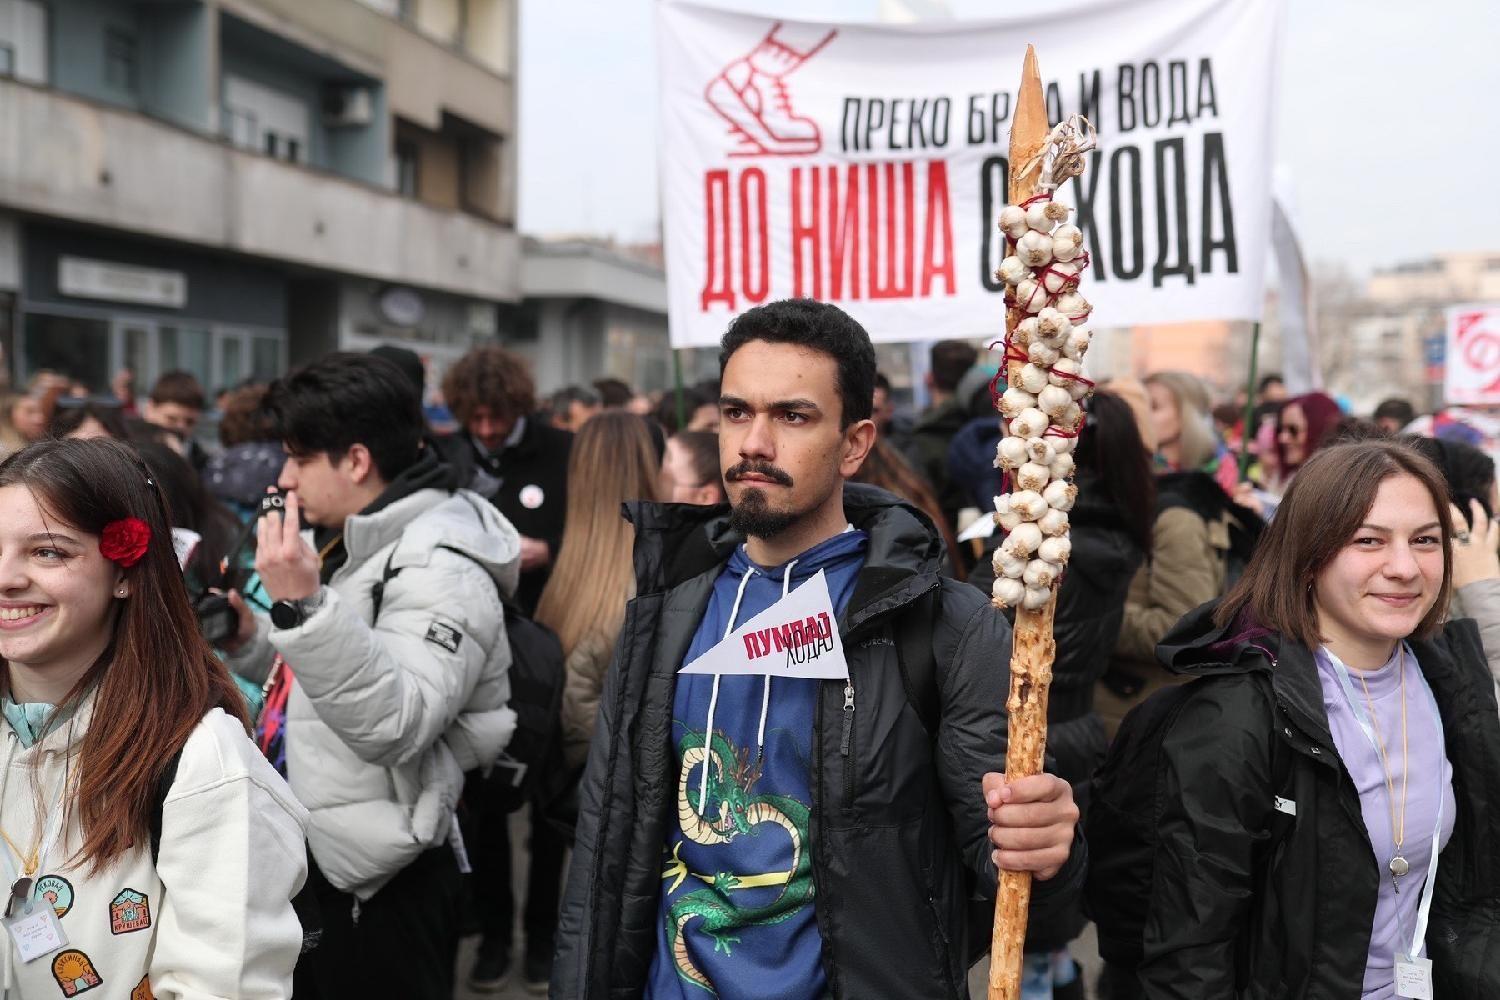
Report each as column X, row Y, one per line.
column 1042, row 374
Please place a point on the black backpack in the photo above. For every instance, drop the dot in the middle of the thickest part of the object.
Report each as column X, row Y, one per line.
column 1123, row 822
column 532, row 760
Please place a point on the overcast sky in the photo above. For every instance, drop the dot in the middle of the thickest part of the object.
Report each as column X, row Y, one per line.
column 1380, row 101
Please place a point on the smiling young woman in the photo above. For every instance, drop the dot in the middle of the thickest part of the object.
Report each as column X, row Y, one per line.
column 1328, row 775
column 144, row 839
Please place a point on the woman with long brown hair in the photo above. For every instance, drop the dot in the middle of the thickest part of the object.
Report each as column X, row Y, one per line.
column 888, row 469
column 1320, row 797
column 144, row 839
column 613, row 460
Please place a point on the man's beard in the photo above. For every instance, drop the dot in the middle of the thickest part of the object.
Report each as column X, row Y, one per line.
column 754, row 519
column 751, row 516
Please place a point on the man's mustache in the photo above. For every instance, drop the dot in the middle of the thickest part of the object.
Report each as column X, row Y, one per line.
column 765, row 469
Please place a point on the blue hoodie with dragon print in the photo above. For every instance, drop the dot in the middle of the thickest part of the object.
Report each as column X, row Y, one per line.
column 736, row 917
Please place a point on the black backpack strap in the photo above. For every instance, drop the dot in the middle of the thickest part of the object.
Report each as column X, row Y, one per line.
column 159, row 801
column 912, row 636
column 377, row 592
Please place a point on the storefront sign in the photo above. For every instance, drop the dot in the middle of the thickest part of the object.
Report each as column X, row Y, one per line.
column 83, row 278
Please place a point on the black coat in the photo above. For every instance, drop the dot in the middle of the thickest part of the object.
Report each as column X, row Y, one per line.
column 898, row 828
column 1231, row 918
column 527, row 482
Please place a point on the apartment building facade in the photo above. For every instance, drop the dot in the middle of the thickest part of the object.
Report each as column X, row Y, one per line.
column 234, row 186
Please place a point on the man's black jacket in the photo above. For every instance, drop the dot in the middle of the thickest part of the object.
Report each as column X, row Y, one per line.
column 899, row 829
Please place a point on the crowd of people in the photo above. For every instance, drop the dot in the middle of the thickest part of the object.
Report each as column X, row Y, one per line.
column 272, row 695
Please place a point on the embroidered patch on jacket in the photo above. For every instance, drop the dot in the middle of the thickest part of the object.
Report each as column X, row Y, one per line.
column 142, row 990
column 75, row 973
column 130, row 911
column 55, row 891
column 444, row 635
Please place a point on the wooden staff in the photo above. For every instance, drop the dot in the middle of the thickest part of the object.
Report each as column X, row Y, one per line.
column 1033, row 646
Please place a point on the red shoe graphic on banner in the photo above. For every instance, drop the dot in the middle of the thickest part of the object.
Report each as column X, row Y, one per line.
column 752, row 96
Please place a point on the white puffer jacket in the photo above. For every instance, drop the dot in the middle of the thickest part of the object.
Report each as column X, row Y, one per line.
column 386, row 716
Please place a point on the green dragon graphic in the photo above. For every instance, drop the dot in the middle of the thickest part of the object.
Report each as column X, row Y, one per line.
column 741, row 812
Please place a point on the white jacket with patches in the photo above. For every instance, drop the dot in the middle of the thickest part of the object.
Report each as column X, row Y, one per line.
column 211, row 918
column 386, row 715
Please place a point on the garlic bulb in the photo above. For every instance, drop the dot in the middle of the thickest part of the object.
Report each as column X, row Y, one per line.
column 1071, row 419
column 1060, row 495
column 1042, row 355
column 1054, row 401
column 1064, row 445
column 1034, row 249
column 1052, row 326
column 1014, row 400
column 1052, row 523
column 1077, row 343
column 1029, row 295
column 1006, row 516
column 1055, row 550
column 1013, row 221
column 1026, row 332
column 1036, row 598
column 1038, row 220
column 1011, row 270
column 1012, row 452
column 1041, row 451
column 1029, row 503
column 1064, row 373
column 1073, row 305
column 1040, row 573
column 1060, row 277
column 1008, row 593
column 1033, row 477
column 1061, row 466
column 1033, row 379
column 1067, row 243
column 1022, row 542
column 1029, row 423
column 1008, row 565
column 1057, row 211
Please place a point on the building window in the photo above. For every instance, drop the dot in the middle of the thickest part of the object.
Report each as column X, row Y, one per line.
column 120, row 60
column 23, row 40
column 407, row 161
column 265, row 120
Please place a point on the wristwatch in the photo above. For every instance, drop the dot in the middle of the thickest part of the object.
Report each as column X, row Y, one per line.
column 290, row 614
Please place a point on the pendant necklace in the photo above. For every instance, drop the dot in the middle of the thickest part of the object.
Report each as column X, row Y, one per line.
column 1398, row 865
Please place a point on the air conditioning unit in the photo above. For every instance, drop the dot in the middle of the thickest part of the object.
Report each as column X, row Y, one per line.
column 345, row 106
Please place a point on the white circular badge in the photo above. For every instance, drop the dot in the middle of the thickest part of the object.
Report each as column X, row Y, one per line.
column 532, row 497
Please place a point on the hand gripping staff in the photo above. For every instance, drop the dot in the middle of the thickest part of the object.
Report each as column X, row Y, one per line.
column 1046, row 336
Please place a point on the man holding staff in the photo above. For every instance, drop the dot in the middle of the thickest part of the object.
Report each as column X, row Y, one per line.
column 799, row 823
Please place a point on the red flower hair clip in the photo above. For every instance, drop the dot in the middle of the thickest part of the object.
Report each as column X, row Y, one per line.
column 124, row 542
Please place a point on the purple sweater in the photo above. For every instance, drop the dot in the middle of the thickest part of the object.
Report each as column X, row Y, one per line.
column 1395, row 913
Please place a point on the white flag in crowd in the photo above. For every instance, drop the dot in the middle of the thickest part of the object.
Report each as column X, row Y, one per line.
column 865, row 165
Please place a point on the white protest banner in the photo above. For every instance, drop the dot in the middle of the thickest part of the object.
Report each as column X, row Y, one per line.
column 865, row 164
column 1472, row 371
column 798, row 636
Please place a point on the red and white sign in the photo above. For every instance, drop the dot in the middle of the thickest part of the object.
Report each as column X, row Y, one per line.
column 798, row 636
column 865, row 164
column 1472, row 377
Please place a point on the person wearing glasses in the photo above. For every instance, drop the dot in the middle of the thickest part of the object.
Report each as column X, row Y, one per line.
column 1303, row 424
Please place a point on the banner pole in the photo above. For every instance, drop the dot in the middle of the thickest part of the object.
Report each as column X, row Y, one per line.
column 677, row 388
column 1248, row 434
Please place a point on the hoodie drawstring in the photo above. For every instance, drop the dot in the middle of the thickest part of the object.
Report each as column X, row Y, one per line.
column 765, row 702
column 713, row 698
